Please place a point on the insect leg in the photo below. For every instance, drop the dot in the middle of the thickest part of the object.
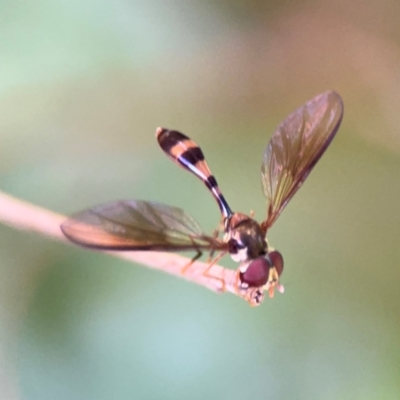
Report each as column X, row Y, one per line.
column 210, row 265
column 220, row 228
column 190, row 263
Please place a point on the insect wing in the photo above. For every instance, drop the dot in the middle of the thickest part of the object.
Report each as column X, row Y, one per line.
column 137, row 225
column 295, row 148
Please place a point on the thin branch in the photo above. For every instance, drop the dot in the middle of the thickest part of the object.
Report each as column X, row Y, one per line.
column 25, row 216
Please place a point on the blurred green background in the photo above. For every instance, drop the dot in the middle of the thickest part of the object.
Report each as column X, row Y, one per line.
column 83, row 86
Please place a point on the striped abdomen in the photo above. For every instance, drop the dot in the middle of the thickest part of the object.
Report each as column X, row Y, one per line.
column 188, row 155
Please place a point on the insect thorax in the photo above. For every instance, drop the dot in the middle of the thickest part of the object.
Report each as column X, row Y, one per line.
column 245, row 237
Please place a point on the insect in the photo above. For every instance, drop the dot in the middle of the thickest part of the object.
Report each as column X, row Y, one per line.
column 294, row 149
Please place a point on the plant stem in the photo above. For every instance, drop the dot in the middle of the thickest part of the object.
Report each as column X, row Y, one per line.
column 25, row 216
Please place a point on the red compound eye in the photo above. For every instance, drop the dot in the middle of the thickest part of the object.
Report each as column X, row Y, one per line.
column 277, row 261
column 257, row 272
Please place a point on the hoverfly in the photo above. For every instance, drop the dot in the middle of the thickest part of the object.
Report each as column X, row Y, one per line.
column 294, row 149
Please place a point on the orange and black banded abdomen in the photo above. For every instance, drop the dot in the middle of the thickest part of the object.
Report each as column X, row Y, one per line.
column 189, row 155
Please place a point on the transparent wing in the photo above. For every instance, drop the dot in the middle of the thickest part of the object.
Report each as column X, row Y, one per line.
column 295, row 148
column 137, row 225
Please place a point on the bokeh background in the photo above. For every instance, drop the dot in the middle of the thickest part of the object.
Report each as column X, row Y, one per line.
column 83, row 86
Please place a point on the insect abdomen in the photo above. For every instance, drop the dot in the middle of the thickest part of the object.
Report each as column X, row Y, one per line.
column 189, row 155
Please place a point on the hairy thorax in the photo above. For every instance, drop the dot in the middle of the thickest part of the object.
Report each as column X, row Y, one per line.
column 245, row 237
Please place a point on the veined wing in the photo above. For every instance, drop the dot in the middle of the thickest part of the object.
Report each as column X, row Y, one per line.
column 137, row 225
column 294, row 149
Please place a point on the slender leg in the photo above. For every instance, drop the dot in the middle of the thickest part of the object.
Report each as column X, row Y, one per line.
column 206, row 271
column 237, row 281
column 190, row 263
column 213, row 262
column 215, row 234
